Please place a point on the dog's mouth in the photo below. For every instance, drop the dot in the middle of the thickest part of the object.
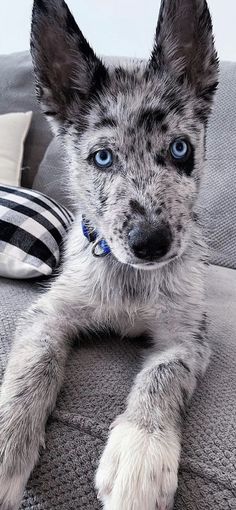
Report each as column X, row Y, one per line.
column 149, row 265
column 154, row 264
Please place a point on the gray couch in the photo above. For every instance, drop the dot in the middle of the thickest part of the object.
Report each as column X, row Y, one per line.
column 100, row 373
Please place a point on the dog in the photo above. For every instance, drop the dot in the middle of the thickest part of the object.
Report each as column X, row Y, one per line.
column 134, row 138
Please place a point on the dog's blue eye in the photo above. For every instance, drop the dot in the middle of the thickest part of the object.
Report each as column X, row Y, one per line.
column 103, row 158
column 179, row 149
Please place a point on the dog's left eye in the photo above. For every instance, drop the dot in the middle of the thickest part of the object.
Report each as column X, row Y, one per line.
column 180, row 149
column 103, row 158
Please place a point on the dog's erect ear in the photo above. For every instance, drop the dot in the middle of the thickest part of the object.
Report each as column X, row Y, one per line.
column 184, row 45
column 66, row 67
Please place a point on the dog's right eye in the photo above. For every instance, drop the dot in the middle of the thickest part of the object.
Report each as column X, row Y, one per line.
column 103, row 158
column 180, row 149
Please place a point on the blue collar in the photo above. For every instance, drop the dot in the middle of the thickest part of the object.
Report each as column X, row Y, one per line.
column 91, row 234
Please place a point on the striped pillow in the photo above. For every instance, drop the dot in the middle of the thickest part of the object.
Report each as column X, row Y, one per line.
column 32, row 228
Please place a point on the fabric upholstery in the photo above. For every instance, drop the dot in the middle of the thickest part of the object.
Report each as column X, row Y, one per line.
column 98, row 377
column 52, row 176
column 13, row 130
column 218, row 195
column 17, row 95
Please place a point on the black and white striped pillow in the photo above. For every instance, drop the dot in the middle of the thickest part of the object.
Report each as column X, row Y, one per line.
column 32, row 228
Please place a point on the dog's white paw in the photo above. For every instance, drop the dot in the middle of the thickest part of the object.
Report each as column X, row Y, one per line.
column 138, row 469
column 11, row 490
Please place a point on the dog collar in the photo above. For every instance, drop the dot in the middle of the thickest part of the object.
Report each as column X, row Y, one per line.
column 100, row 247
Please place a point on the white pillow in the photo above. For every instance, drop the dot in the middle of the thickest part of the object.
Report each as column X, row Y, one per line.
column 13, row 130
column 32, row 229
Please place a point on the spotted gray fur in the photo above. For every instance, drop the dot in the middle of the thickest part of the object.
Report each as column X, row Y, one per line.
column 136, row 109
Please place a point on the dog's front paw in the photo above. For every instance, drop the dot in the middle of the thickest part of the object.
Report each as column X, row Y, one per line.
column 138, row 469
column 18, row 454
column 11, row 490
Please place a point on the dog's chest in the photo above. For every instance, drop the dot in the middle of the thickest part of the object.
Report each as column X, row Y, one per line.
column 128, row 309
column 131, row 321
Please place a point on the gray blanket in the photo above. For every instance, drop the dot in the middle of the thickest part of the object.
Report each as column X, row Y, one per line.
column 99, row 375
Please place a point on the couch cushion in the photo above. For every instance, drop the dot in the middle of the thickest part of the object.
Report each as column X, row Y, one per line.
column 52, row 177
column 218, row 195
column 17, row 95
column 99, row 376
column 14, row 128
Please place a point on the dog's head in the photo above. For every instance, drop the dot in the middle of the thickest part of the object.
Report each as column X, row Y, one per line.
column 134, row 134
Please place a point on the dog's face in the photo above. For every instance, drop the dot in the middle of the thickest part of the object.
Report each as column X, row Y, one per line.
column 134, row 135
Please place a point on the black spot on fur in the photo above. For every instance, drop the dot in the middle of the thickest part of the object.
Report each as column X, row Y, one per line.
column 136, row 207
column 100, row 80
column 103, row 200
column 131, row 131
column 157, row 56
column 159, row 160
column 106, row 122
column 149, row 146
column 177, row 107
column 120, row 73
column 158, row 211
column 201, row 113
column 173, row 102
column 135, row 181
column 152, row 174
column 164, row 128
column 120, row 194
column 208, row 93
column 169, row 96
column 186, row 368
column 186, row 166
column 149, row 119
column 125, row 223
column 50, row 114
column 200, row 336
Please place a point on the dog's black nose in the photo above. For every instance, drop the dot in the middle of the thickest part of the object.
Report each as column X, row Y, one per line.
column 150, row 244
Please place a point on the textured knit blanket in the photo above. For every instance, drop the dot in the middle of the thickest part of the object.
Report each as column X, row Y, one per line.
column 99, row 376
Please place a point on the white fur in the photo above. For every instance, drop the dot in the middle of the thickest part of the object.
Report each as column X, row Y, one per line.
column 138, row 469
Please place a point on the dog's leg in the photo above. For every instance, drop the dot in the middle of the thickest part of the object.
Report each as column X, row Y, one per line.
column 30, row 386
column 139, row 467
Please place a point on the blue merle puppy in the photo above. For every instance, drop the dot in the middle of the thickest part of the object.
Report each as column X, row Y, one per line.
column 134, row 134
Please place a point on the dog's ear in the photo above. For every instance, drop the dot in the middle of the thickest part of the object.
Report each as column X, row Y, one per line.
column 184, row 45
column 66, row 68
